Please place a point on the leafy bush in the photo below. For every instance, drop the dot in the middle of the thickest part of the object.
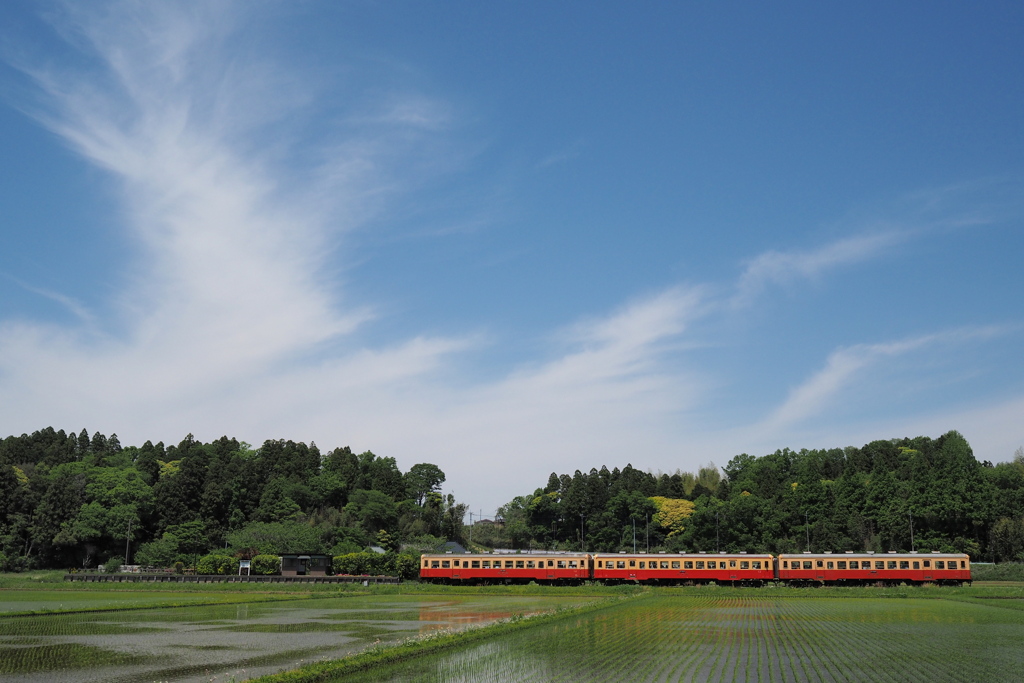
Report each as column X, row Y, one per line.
column 179, row 567
column 376, row 564
column 266, row 564
column 216, row 564
column 407, row 566
column 158, row 553
column 358, row 564
column 113, row 565
column 278, row 537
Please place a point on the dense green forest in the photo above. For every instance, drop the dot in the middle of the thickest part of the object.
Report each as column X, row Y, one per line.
column 70, row 500
column 921, row 493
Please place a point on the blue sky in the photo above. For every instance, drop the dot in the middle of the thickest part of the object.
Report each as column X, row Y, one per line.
column 514, row 238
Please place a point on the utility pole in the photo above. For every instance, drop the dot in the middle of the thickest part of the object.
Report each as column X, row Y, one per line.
column 647, row 531
column 128, row 540
column 807, row 530
column 583, row 538
column 911, row 515
column 634, row 534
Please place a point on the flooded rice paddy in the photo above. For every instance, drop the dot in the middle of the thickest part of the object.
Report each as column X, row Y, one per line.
column 14, row 601
column 224, row 641
column 663, row 639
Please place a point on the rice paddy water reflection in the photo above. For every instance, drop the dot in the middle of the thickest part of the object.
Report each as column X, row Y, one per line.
column 240, row 641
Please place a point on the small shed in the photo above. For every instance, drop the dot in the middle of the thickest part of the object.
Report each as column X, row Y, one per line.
column 304, row 564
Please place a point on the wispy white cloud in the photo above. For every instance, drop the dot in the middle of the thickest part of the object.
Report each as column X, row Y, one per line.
column 563, row 155
column 784, row 267
column 72, row 305
column 842, row 367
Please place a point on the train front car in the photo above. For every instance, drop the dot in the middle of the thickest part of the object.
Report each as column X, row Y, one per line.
column 737, row 569
column 550, row 568
column 884, row 569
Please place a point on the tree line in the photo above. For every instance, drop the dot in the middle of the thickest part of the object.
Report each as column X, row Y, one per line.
column 77, row 500
column 902, row 494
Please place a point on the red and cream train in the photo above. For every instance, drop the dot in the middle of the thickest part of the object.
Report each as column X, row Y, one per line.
column 738, row 569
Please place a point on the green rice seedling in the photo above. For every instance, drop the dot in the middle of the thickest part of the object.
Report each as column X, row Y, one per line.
column 746, row 639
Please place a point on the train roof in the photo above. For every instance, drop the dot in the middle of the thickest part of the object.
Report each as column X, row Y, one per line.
column 535, row 553
column 696, row 555
column 869, row 555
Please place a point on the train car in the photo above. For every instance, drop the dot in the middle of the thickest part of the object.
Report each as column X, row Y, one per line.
column 552, row 568
column 685, row 569
column 853, row 569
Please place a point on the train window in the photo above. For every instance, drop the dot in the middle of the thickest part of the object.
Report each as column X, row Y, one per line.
column 732, row 563
column 476, row 564
column 963, row 564
column 712, row 565
column 940, row 564
column 445, row 564
column 807, row 564
column 520, row 564
column 891, row 564
column 456, row 563
column 642, row 565
column 487, row 564
column 675, row 564
column 879, row 564
column 841, row 564
column 820, row 564
column 426, row 563
column 529, row 564
column 689, row 565
column 757, row 564
column 572, row 564
column 621, row 564
column 508, row 564
column 785, row 564
column 561, row 564
column 632, row 563
column 854, row 564
column 904, row 564
column 927, row 564
column 917, row 565
column 664, row 564
column 829, row 565
column 435, row 564
column 700, row 564
column 744, row 565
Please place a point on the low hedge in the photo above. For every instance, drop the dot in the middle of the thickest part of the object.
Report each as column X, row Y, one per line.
column 266, row 565
column 217, row 564
column 377, row 564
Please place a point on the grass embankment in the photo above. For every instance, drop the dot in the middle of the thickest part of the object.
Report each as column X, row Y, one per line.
column 54, row 580
column 432, row 643
column 1005, row 571
column 43, row 587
